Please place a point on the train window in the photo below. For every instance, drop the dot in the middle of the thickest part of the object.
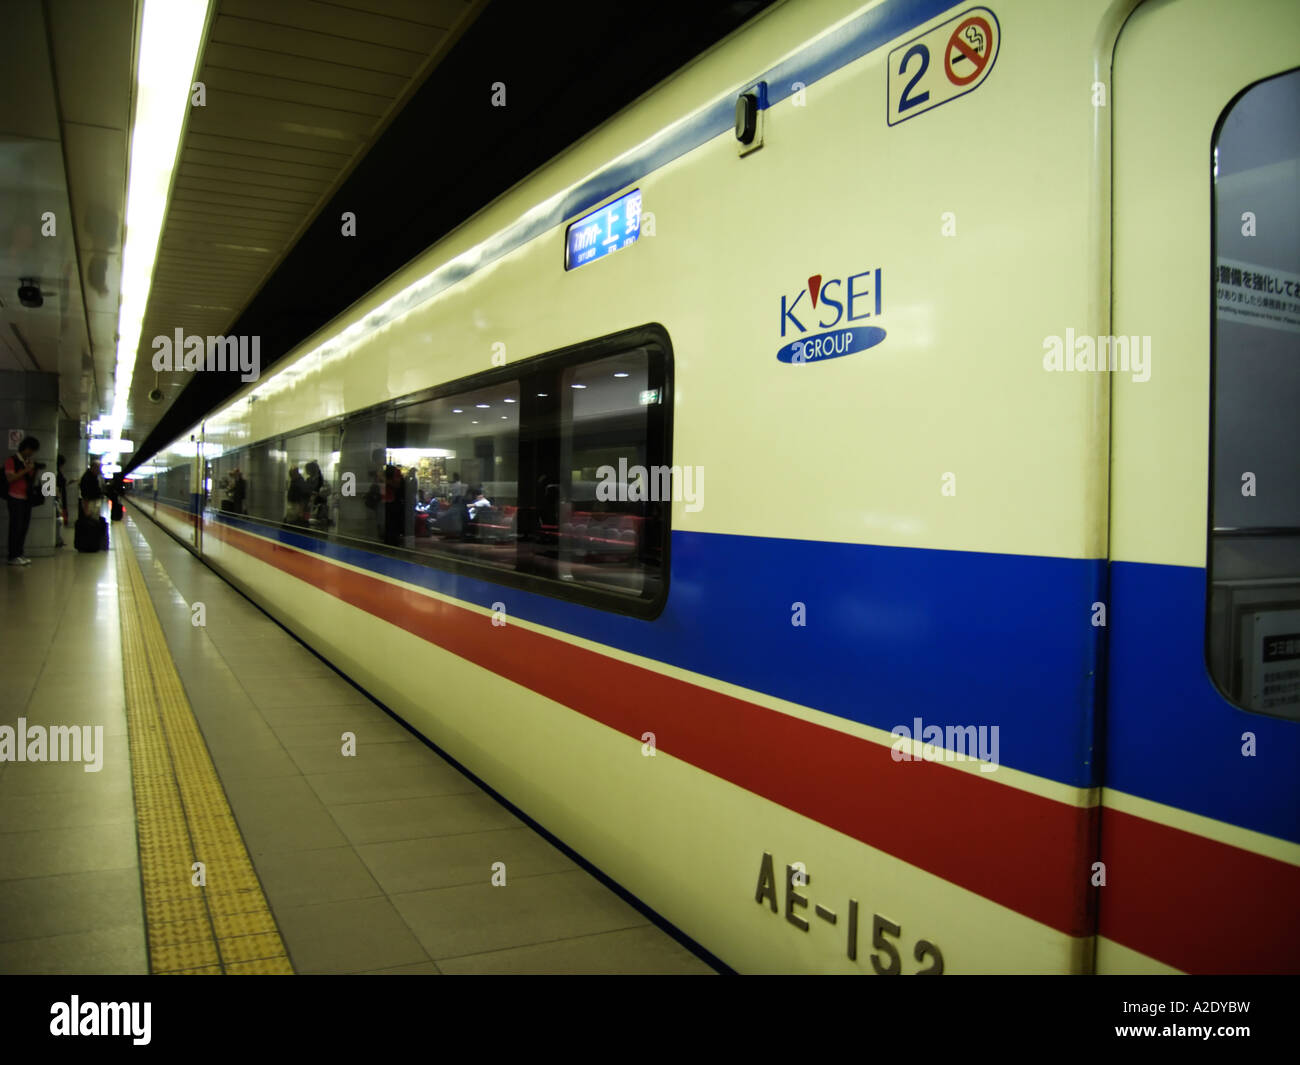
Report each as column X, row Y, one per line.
column 174, row 486
column 1253, row 616
column 310, row 499
column 459, row 460
column 362, row 451
column 552, row 475
column 229, row 490
column 265, row 475
column 613, row 494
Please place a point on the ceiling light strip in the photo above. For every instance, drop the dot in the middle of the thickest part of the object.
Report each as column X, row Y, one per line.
column 171, row 34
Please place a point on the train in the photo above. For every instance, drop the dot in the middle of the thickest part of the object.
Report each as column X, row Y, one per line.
column 890, row 563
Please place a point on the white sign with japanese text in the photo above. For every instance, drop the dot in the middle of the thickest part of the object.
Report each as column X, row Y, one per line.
column 1257, row 295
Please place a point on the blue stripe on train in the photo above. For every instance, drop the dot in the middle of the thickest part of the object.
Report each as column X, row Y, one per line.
column 892, row 634
column 192, row 505
column 954, row 638
column 1172, row 737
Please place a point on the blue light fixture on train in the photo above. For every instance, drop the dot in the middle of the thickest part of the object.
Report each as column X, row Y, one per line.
column 602, row 232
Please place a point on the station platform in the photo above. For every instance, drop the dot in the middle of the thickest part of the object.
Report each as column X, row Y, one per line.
column 210, row 821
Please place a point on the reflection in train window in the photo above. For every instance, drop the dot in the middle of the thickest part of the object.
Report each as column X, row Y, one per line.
column 311, row 499
column 615, row 495
column 265, row 474
column 175, row 485
column 459, row 461
column 1253, row 622
column 358, row 495
column 556, row 479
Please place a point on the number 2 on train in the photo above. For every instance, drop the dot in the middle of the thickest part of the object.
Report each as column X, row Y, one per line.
column 917, row 49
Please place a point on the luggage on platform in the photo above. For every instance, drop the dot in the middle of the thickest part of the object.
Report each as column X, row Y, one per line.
column 90, row 534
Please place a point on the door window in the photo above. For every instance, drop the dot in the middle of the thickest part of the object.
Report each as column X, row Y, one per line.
column 1253, row 622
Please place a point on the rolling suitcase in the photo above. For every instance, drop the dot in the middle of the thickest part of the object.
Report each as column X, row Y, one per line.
column 117, row 510
column 87, row 535
column 103, row 533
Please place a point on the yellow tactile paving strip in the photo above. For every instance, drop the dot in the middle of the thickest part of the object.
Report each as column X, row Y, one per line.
column 224, row 926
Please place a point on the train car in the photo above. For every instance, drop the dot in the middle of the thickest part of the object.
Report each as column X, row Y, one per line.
column 851, row 496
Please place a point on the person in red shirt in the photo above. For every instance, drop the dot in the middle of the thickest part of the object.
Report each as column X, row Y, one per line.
column 20, row 472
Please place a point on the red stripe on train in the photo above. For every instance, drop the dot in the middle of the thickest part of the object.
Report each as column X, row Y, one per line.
column 1195, row 903
column 1028, row 853
column 1172, row 895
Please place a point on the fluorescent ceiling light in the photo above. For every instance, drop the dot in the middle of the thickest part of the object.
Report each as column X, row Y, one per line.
column 171, row 32
column 111, row 446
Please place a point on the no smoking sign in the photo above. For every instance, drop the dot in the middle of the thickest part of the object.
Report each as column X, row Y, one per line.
column 969, row 50
column 942, row 64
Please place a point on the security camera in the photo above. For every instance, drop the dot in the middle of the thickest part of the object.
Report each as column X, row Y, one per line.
column 155, row 395
column 29, row 293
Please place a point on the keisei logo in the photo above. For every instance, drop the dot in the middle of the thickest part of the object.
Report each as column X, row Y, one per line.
column 836, row 304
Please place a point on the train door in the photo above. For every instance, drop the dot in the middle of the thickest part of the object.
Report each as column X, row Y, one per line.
column 203, row 463
column 1200, row 825
column 196, row 492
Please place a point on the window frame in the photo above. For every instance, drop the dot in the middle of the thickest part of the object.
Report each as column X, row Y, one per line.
column 651, row 336
column 164, row 481
column 1208, row 657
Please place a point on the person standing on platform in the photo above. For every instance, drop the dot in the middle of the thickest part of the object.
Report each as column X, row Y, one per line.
column 20, row 480
column 61, row 483
column 238, row 490
column 394, row 503
column 410, row 492
column 115, row 489
column 92, row 490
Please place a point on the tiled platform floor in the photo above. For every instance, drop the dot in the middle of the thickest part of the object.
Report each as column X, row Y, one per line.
column 379, row 863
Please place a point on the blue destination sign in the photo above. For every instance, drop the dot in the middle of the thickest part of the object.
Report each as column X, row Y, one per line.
column 614, row 226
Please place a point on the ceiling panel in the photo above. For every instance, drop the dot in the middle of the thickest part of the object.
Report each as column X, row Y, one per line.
column 10, row 357
column 91, row 45
column 289, row 90
column 92, row 152
column 443, row 13
column 65, row 97
column 310, row 45
column 32, row 183
column 295, row 92
column 265, row 61
column 357, row 27
column 83, row 34
column 253, row 151
column 276, row 122
column 26, row 84
column 252, row 179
